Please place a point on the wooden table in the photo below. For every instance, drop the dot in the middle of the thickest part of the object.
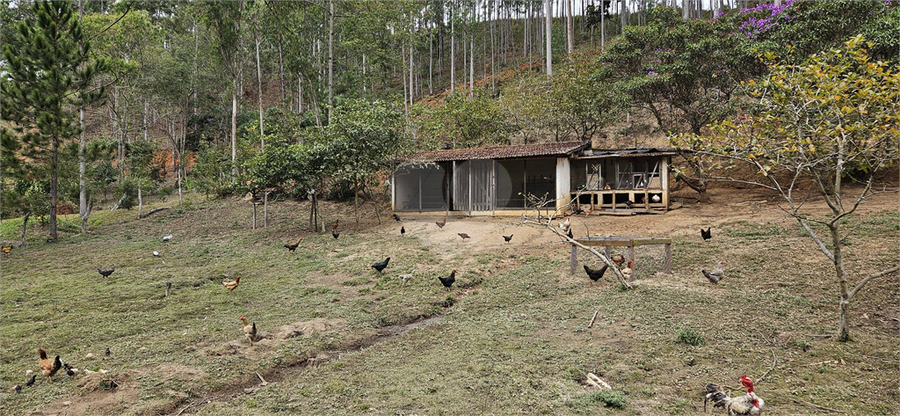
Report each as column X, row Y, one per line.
column 608, row 241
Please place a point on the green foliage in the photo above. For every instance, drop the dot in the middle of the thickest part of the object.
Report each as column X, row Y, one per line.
column 466, row 122
column 689, row 337
column 797, row 29
column 694, row 66
column 609, row 398
column 128, row 194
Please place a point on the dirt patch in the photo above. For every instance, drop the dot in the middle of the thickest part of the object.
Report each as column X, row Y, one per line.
column 119, row 393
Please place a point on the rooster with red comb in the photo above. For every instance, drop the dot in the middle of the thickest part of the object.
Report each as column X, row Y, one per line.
column 748, row 404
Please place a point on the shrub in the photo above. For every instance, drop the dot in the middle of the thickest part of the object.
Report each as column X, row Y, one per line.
column 690, row 337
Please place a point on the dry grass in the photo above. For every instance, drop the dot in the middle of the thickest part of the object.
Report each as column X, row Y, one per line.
column 511, row 336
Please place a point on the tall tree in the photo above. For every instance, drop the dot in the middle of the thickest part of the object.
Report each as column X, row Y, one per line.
column 48, row 75
column 817, row 126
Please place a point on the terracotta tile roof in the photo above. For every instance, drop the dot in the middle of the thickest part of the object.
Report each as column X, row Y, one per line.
column 599, row 154
column 504, row 152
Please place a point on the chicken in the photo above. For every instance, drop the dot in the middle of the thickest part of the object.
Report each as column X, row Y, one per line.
column 629, row 203
column 17, row 389
column 507, row 238
column 397, row 218
column 155, row 253
column 618, row 259
column 293, row 246
column 655, row 198
column 577, row 211
column 565, row 225
column 70, row 370
column 334, row 225
column 381, row 265
column 706, row 234
column 595, row 275
column 570, row 235
column 233, row 284
column 167, row 237
column 463, row 235
column 106, row 273
column 48, row 367
column 402, row 230
column 715, row 275
column 628, row 271
column 30, row 381
column 406, row 277
column 442, row 223
column 748, row 404
column 249, row 329
column 335, row 234
column 6, row 249
column 448, row 281
column 107, row 352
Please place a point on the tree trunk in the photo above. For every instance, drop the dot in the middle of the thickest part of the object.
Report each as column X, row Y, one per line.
column 140, row 199
column 262, row 132
column 570, row 27
column 548, row 19
column 330, row 57
column 452, row 49
column 234, row 108
column 85, row 216
column 54, row 183
column 82, row 165
column 844, row 290
column 25, row 226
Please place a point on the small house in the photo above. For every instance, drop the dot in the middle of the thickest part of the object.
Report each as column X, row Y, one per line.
column 505, row 180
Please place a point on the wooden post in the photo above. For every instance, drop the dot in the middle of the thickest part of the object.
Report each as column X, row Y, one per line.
column 574, row 259
column 667, row 265
column 254, row 215
column 606, row 251
column 168, row 288
column 630, row 253
column 266, row 209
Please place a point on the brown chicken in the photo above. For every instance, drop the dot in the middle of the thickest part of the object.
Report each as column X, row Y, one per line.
column 293, row 247
column 6, row 249
column 463, row 235
column 442, row 223
column 48, row 367
column 618, row 259
column 334, row 225
column 249, row 329
column 233, row 284
column 628, row 271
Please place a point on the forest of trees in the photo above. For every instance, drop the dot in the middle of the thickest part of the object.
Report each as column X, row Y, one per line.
column 236, row 96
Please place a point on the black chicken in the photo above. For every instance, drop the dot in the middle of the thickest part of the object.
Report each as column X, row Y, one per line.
column 69, row 369
column 107, row 352
column 106, row 273
column 507, row 238
column 381, row 265
column 570, row 235
column 706, row 234
column 30, row 381
column 397, row 218
column 448, row 281
column 595, row 275
column 402, row 230
column 463, row 235
column 335, row 234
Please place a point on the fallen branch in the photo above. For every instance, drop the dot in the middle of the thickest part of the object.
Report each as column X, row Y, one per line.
column 264, row 382
column 153, row 211
column 815, row 405
column 597, row 382
column 770, row 369
column 592, row 319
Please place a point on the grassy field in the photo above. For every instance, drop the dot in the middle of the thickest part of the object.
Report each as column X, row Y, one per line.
column 511, row 337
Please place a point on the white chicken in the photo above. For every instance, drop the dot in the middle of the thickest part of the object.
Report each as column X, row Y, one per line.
column 748, row 404
column 565, row 225
column 406, row 277
column 717, row 274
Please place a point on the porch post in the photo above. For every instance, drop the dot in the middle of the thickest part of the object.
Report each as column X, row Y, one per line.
column 563, row 182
